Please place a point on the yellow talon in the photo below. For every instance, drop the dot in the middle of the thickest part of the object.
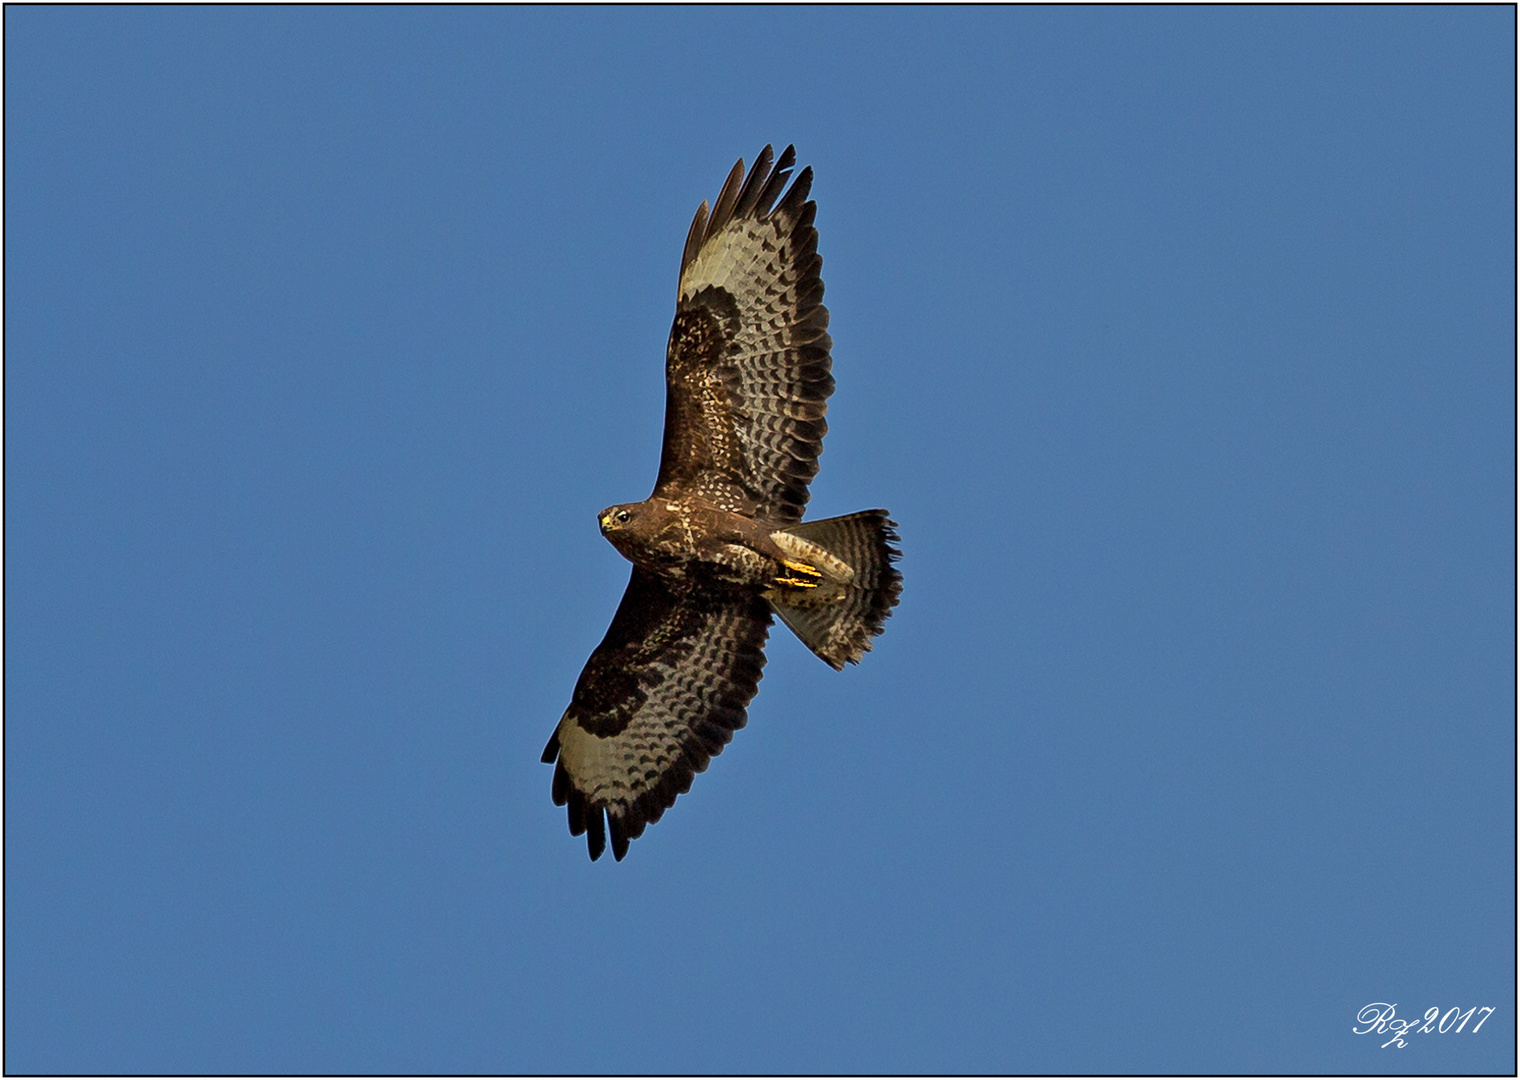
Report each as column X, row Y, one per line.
column 801, row 568
column 797, row 583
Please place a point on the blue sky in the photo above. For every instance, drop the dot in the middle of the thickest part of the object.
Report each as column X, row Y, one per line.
column 1180, row 342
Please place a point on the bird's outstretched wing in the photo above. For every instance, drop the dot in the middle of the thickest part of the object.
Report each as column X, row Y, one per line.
column 747, row 367
column 660, row 697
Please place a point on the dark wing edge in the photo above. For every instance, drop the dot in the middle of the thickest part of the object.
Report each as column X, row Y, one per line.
column 748, row 365
column 659, row 698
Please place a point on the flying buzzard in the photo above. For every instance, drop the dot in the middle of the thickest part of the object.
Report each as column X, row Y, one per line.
column 721, row 543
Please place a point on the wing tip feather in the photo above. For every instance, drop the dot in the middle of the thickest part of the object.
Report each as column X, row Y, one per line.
column 754, row 184
column 596, row 833
column 695, row 236
column 620, row 836
column 794, row 203
column 723, row 209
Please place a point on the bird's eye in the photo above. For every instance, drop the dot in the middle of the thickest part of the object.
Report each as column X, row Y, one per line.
column 622, row 517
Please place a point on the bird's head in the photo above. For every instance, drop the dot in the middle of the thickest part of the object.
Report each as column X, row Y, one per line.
column 617, row 517
column 627, row 527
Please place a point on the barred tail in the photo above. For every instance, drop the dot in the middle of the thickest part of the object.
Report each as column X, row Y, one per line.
column 850, row 559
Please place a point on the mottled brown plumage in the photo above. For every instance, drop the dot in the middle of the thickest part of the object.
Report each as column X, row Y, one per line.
column 720, row 545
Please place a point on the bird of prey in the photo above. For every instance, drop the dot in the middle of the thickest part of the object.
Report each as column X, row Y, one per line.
column 721, row 545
